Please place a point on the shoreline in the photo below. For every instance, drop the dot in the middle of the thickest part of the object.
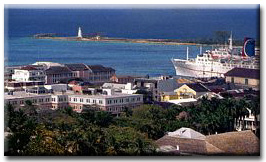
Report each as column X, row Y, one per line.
column 107, row 39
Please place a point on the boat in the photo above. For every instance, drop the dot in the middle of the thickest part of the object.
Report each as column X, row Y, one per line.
column 215, row 63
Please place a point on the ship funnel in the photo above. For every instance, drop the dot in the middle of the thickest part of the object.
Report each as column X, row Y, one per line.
column 248, row 48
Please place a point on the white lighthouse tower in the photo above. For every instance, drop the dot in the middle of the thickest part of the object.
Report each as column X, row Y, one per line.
column 79, row 33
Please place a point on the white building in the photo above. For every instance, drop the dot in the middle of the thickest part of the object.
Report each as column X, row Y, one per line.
column 123, row 88
column 111, row 102
column 56, row 87
column 17, row 99
column 28, row 73
column 114, row 103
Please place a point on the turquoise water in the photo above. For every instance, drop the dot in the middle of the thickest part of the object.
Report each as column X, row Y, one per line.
column 126, row 58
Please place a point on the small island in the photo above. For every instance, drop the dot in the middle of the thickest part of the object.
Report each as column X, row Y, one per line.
column 97, row 37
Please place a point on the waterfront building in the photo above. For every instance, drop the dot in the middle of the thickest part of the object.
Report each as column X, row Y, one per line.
column 55, row 74
column 9, row 71
column 28, row 73
column 243, row 77
column 100, row 74
column 91, row 73
column 79, row 70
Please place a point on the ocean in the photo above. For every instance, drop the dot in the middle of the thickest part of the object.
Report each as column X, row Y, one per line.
column 126, row 58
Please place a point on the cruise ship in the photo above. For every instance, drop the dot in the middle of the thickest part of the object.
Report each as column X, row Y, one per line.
column 215, row 63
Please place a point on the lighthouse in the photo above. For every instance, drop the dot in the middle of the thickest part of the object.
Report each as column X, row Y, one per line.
column 79, row 33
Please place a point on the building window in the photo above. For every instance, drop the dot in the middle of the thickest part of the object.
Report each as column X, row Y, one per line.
column 246, row 81
column 81, row 100
column 100, row 102
column 232, row 80
column 88, row 100
column 94, row 101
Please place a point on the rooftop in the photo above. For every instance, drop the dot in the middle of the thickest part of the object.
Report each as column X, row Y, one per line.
column 28, row 67
column 239, row 143
column 198, row 87
column 116, row 95
column 99, row 68
column 22, row 94
column 48, row 64
column 186, row 133
column 230, row 143
column 57, row 70
column 244, row 73
column 77, row 67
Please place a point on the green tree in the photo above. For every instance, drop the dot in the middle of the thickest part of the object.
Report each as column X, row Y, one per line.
column 128, row 141
column 21, row 127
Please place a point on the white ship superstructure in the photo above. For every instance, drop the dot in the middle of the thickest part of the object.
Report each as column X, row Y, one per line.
column 209, row 65
column 205, row 66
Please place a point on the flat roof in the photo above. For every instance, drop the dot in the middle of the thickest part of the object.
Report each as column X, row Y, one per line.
column 116, row 95
column 23, row 94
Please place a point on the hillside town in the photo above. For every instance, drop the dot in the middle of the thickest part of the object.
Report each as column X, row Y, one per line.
column 50, row 86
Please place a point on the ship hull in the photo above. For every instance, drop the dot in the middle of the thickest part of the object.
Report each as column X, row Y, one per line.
column 192, row 69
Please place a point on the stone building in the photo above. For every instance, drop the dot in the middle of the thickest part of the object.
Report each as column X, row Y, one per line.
column 244, row 77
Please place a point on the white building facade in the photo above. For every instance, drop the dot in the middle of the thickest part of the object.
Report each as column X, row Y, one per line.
column 25, row 75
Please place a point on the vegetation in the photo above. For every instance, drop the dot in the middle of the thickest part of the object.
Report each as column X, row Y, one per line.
column 94, row 132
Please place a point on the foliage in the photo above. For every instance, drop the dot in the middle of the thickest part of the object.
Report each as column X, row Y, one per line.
column 94, row 132
column 21, row 127
column 128, row 141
